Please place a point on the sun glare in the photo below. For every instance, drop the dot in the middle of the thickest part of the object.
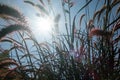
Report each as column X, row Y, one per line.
column 43, row 26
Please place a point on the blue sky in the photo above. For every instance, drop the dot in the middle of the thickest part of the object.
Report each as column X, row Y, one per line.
column 30, row 13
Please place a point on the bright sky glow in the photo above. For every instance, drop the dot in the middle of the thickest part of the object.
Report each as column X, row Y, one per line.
column 43, row 26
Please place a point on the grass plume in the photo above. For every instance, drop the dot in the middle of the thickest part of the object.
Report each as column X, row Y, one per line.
column 99, row 32
column 10, row 11
column 11, row 28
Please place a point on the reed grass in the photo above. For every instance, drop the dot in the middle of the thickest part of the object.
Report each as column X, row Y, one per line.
column 71, row 56
column 12, row 12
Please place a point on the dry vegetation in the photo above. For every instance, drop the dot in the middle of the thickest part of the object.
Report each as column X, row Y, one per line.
column 92, row 53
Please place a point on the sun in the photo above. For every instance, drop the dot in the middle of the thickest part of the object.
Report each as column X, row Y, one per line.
column 43, row 26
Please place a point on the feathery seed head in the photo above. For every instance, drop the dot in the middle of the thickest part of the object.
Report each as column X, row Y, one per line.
column 99, row 32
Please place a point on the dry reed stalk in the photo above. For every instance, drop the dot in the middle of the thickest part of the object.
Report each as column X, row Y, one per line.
column 116, row 39
column 7, row 62
column 95, row 46
column 90, row 24
column 116, row 26
column 95, row 14
column 99, row 12
column 41, row 1
column 45, row 46
column 71, row 4
column 115, row 2
column 81, row 17
column 6, row 17
column 118, row 10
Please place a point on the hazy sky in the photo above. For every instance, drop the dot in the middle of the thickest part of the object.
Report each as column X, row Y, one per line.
column 33, row 20
column 30, row 13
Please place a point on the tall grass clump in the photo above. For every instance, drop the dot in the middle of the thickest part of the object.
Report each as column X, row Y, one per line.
column 88, row 49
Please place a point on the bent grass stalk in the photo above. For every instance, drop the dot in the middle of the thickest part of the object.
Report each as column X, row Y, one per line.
column 72, row 57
